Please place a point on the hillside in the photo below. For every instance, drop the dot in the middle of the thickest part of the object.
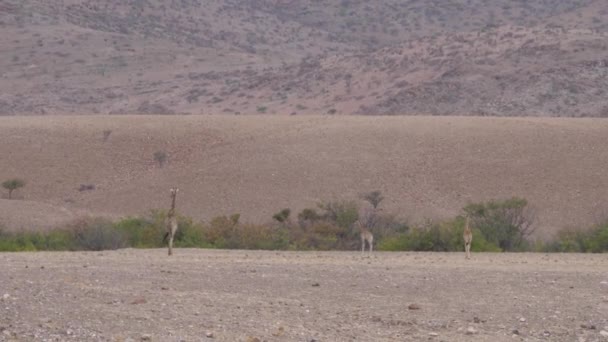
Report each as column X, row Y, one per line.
column 464, row 57
column 426, row 167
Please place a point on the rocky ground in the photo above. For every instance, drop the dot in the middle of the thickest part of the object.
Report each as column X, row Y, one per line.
column 210, row 295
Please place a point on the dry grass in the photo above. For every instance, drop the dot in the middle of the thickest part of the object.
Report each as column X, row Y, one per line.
column 427, row 167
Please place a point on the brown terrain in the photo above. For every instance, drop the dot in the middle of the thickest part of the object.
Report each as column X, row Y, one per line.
column 212, row 295
column 463, row 57
column 437, row 65
column 426, row 167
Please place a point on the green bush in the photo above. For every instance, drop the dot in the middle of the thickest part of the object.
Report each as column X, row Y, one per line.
column 142, row 232
column 394, row 243
column 97, row 235
column 188, row 233
column 594, row 240
column 282, row 216
column 505, row 223
column 439, row 237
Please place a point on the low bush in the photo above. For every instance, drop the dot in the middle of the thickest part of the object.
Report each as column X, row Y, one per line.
column 496, row 225
column 436, row 236
column 97, row 235
column 594, row 240
column 505, row 223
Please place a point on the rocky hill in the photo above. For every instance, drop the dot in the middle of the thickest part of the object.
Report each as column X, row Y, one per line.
column 462, row 57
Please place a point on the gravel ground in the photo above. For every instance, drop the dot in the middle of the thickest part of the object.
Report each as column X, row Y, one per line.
column 212, row 295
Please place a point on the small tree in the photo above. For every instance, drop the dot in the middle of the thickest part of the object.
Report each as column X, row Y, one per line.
column 342, row 213
column 374, row 198
column 160, row 157
column 308, row 216
column 282, row 216
column 12, row 185
column 506, row 223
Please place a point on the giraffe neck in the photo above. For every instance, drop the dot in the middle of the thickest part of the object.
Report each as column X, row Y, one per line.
column 172, row 210
column 362, row 229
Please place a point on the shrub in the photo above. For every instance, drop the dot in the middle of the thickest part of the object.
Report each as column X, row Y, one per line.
column 308, row 216
column 262, row 109
column 188, row 233
column 435, row 236
column 322, row 235
column 221, row 232
column 160, row 157
column 96, row 235
column 594, row 240
column 12, row 185
column 251, row 236
column 144, row 232
column 505, row 223
column 282, row 216
column 342, row 213
column 54, row 240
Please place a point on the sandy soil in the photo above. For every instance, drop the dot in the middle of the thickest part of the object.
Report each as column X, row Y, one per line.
column 132, row 295
column 426, row 167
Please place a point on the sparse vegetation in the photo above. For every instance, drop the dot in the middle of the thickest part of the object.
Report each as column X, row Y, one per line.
column 96, row 235
column 282, row 216
column 106, row 134
column 161, row 158
column 330, row 230
column 86, row 187
column 593, row 240
column 12, row 185
column 262, row 109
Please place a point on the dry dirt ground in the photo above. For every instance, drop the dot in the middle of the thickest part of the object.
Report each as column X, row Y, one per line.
column 213, row 295
column 426, row 167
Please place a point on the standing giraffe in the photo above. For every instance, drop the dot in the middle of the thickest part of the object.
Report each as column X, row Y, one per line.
column 171, row 221
column 366, row 236
column 468, row 238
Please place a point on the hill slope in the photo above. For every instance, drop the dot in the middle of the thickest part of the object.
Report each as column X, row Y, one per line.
column 473, row 57
column 427, row 167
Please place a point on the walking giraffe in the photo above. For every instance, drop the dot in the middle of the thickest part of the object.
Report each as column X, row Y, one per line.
column 171, row 222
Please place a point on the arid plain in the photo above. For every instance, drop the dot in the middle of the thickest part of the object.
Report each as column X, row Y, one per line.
column 214, row 295
column 472, row 60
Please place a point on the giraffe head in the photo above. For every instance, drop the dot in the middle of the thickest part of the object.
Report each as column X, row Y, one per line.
column 174, row 191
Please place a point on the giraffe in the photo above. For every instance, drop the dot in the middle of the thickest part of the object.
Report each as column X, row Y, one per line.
column 171, row 221
column 468, row 238
column 366, row 236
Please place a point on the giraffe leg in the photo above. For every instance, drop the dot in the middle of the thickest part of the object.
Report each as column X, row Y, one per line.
column 171, row 244
column 371, row 245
